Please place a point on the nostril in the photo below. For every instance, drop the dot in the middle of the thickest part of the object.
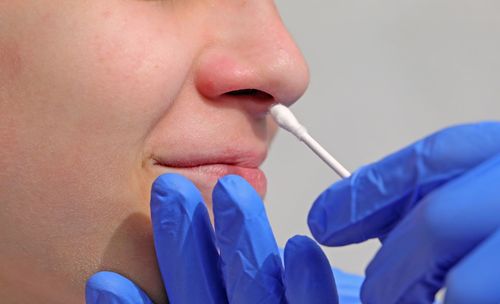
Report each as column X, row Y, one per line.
column 258, row 94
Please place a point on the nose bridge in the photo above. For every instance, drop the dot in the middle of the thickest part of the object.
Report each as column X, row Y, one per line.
column 250, row 48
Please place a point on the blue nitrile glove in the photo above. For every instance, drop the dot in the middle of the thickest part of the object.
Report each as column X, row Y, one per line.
column 248, row 269
column 435, row 205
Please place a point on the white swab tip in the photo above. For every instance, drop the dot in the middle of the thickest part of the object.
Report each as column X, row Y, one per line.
column 285, row 118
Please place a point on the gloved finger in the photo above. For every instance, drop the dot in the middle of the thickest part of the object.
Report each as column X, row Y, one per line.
column 377, row 196
column 184, row 241
column 107, row 287
column 476, row 278
column 308, row 275
column 448, row 224
column 251, row 263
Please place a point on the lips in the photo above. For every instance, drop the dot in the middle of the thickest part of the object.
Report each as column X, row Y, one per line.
column 205, row 170
column 239, row 158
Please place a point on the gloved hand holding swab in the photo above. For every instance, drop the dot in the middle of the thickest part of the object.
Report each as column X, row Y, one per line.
column 286, row 120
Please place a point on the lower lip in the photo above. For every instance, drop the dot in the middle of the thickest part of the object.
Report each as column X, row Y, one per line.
column 208, row 175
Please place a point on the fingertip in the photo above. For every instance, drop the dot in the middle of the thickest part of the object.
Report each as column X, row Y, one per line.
column 166, row 184
column 232, row 178
column 304, row 248
column 172, row 192
column 113, row 288
column 301, row 244
column 234, row 185
column 308, row 275
column 233, row 192
column 105, row 279
column 331, row 214
column 301, row 248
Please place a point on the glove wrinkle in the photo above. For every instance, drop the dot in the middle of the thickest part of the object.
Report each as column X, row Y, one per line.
column 184, row 242
column 251, row 264
column 251, row 277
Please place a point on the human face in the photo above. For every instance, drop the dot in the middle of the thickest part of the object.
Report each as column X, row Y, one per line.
column 98, row 98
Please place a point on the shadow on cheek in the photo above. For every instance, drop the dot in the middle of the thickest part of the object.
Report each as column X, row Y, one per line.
column 131, row 253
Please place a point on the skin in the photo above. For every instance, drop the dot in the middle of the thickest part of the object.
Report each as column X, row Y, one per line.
column 92, row 93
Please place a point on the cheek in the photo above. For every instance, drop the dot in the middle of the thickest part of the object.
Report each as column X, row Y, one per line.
column 100, row 78
column 102, row 74
column 113, row 65
column 134, row 68
column 99, row 81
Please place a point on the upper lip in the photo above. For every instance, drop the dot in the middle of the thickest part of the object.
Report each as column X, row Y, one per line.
column 233, row 157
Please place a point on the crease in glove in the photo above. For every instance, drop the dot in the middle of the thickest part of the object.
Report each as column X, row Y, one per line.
column 249, row 253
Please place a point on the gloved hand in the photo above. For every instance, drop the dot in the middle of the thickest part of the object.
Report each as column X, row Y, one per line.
column 248, row 268
column 435, row 205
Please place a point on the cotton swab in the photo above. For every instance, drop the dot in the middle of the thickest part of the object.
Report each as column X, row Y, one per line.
column 286, row 120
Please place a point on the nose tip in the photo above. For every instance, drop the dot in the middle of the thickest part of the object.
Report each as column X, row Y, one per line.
column 264, row 65
column 283, row 77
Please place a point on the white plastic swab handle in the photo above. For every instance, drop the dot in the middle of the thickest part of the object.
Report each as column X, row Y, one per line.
column 325, row 156
column 286, row 120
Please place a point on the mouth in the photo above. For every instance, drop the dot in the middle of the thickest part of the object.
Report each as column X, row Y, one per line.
column 205, row 171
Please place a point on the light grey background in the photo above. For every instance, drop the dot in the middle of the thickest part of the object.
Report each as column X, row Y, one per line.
column 384, row 73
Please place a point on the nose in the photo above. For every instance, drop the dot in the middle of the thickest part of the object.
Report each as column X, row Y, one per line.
column 251, row 59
